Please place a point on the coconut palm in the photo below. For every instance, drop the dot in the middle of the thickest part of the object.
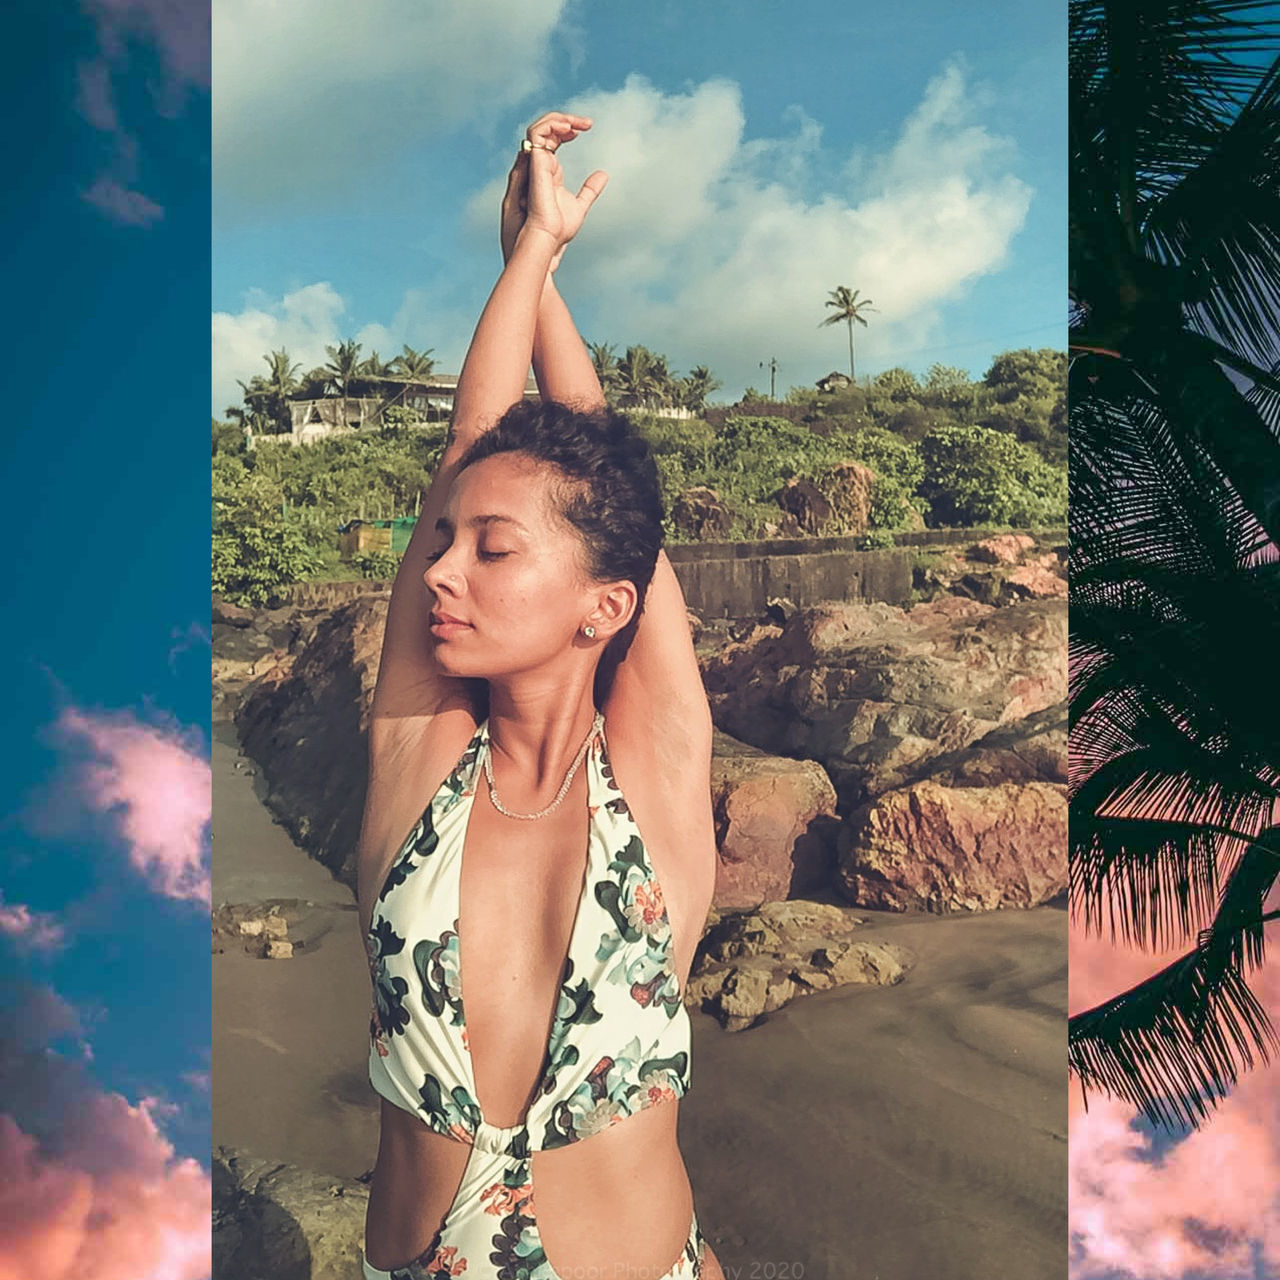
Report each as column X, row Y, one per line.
column 1175, row 517
column 268, row 398
column 414, row 366
column 848, row 308
column 696, row 386
column 638, row 380
column 605, row 363
column 343, row 370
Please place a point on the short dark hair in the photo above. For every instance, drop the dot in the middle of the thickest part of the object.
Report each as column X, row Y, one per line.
column 612, row 495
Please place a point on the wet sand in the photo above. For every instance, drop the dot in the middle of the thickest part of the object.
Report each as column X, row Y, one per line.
column 914, row 1132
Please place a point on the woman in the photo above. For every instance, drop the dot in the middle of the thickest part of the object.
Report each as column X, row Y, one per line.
column 528, row 1016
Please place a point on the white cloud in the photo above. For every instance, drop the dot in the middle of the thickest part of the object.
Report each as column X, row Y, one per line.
column 309, row 319
column 720, row 249
column 313, row 93
column 724, row 249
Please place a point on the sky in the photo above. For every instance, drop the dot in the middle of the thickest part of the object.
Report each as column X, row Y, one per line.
column 105, row 790
column 759, row 156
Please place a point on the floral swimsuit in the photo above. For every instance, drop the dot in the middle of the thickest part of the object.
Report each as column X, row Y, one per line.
column 620, row 1039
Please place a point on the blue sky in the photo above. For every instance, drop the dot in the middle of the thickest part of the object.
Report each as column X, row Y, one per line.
column 758, row 157
column 104, row 942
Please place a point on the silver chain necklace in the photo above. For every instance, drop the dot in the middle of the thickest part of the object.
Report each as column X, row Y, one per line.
column 564, row 786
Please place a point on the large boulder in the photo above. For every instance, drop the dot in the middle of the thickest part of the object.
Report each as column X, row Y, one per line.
column 699, row 513
column 308, row 731
column 775, row 824
column 877, row 695
column 273, row 1221
column 943, row 848
column 807, row 503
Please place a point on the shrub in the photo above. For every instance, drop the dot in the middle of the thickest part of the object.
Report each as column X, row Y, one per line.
column 377, row 564
column 974, row 475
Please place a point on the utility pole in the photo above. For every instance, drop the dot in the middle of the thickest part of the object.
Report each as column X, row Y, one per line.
column 772, row 366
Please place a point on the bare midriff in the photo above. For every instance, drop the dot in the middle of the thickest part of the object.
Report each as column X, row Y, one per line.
column 618, row 1199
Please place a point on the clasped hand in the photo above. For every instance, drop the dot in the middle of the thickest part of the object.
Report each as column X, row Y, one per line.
column 536, row 197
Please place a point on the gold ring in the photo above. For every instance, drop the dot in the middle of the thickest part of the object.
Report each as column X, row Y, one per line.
column 526, row 145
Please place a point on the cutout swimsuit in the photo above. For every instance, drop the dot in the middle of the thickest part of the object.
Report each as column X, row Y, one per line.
column 620, row 1038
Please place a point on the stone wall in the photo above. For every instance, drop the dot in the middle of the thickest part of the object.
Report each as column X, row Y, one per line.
column 720, row 579
column 736, row 579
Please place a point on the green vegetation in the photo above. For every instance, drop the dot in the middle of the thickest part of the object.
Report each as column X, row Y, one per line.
column 945, row 451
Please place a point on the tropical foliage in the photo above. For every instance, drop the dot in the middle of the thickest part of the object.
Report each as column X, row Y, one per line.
column 898, row 426
column 1175, row 534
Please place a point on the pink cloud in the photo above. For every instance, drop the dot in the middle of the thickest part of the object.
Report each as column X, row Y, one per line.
column 157, row 782
column 1211, row 1200
column 90, row 1188
column 31, row 930
column 73, row 1216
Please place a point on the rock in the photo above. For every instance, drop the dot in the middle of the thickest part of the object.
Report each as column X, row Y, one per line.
column 877, row 694
column 946, row 849
column 779, row 610
column 230, row 615
column 848, row 486
column 1030, row 749
column 273, row 1221
column 1004, row 548
column 307, row 731
column 1033, row 582
column 807, row 503
column 775, row 824
column 278, row 950
column 699, row 513
column 750, row 963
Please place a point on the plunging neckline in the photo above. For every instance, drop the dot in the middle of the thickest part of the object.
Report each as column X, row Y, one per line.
column 477, row 773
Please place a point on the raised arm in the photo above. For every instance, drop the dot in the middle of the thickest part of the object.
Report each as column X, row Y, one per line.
column 561, row 365
column 657, row 699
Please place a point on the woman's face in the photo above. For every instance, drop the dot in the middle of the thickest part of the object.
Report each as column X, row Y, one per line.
column 508, row 569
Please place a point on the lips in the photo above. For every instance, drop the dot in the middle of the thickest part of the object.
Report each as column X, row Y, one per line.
column 446, row 619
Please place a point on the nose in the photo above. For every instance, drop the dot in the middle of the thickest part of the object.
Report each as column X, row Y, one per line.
column 439, row 576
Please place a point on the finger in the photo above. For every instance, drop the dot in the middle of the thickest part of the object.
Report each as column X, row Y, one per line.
column 558, row 126
column 592, row 188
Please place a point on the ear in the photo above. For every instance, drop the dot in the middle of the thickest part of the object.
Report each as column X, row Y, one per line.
column 614, row 609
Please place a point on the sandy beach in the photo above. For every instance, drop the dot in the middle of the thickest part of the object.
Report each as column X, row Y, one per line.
column 913, row 1132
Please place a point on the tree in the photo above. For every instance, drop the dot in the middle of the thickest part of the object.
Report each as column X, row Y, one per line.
column 696, row 386
column 849, row 309
column 606, row 366
column 267, row 399
column 414, row 366
column 639, row 377
column 343, row 369
column 1175, row 516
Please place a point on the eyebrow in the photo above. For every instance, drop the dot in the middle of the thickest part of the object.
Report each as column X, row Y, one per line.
column 444, row 525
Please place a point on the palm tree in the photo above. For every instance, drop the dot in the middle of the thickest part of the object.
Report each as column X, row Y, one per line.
column 268, row 398
column 343, row 370
column 848, row 308
column 1175, row 535
column 414, row 366
column 696, row 386
column 605, row 363
column 637, row 383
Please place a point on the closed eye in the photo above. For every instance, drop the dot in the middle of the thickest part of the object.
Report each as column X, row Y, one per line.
column 493, row 555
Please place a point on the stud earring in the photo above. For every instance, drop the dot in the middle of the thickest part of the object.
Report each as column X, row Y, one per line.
column 589, row 632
